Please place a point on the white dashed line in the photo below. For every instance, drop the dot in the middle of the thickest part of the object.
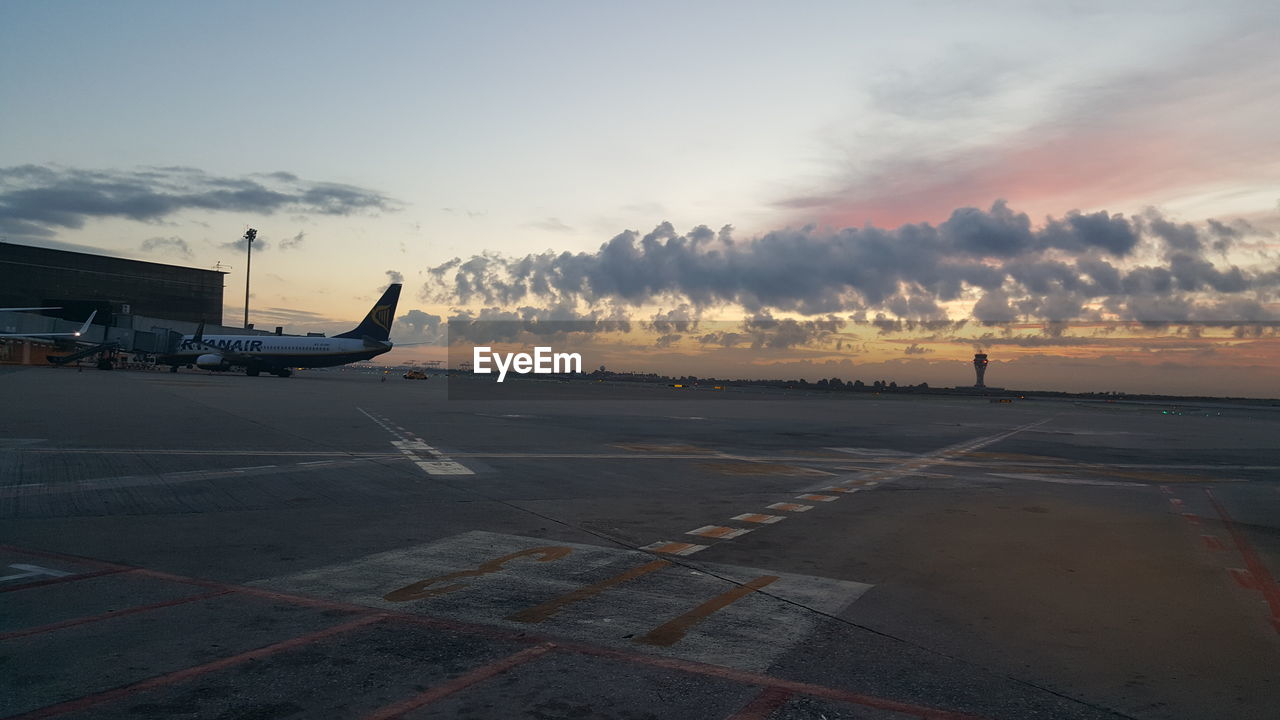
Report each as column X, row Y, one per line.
column 760, row 518
column 818, row 498
column 435, row 462
column 719, row 532
column 790, row 507
column 674, row 548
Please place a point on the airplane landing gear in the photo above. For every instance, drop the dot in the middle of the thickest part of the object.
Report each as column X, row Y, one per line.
column 283, row 372
column 251, row 372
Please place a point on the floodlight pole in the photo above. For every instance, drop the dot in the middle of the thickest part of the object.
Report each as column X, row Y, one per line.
column 249, row 236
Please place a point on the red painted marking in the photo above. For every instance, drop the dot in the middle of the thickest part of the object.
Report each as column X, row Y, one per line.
column 68, row 578
column 791, row 686
column 1191, row 518
column 1175, row 501
column 256, row 592
column 62, row 556
column 763, row 705
column 1213, row 542
column 89, row 701
column 1244, row 579
column 108, row 615
column 1266, row 584
column 463, row 682
column 695, row 668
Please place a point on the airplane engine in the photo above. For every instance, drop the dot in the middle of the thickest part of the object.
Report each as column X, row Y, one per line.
column 212, row 361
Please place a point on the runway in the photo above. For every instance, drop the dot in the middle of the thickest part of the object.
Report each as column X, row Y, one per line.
column 198, row 545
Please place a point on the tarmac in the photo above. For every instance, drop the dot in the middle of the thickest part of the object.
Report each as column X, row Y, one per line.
column 333, row 545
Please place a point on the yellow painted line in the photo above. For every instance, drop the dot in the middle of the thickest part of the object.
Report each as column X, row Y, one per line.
column 790, row 507
column 672, row 631
column 817, row 498
column 674, row 548
column 541, row 612
column 718, row 531
column 761, row 518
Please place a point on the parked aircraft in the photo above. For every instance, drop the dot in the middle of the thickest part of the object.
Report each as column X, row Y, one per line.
column 280, row 354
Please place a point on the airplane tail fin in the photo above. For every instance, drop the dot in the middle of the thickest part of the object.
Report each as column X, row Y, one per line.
column 199, row 336
column 377, row 324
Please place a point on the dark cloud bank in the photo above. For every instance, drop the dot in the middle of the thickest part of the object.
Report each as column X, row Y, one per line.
column 38, row 201
column 1082, row 266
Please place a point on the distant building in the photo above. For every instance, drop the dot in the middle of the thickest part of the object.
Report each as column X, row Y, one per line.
column 980, row 367
column 115, row 287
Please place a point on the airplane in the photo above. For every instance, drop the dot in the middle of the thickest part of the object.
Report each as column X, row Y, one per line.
column 77, row 333
column 280, row 354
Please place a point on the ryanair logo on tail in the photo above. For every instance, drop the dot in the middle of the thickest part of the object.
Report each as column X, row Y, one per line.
column 381, row 316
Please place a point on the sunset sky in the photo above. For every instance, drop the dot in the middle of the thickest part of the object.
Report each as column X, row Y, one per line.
column 1087, row 192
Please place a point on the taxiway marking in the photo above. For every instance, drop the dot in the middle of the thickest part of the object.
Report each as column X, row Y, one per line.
column 817, row 498
column 674, row 548
column 30, row 571
column 541, row 612
column 719, row 531
column 776, row 689
column 462, row 682
column 673, row 631
column 587, row 587
column 435, row 462
column 850, row 485
column 765, row 519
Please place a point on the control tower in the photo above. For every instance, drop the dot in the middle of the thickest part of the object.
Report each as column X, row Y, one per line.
column 980, row 367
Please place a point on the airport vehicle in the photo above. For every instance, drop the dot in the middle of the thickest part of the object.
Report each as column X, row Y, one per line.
column 280, row 354
column 74, row 334
column 415, row 375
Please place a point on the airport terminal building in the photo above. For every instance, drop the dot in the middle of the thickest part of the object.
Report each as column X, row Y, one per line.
column 82, row 282
column 140, row 305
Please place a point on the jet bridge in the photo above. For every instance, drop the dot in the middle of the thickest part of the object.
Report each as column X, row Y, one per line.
column 104, row 363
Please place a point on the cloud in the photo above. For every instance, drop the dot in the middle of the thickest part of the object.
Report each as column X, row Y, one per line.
column 1078, row 266
column 551, row 224
column 541, row 325
column 294, row 242
column 393, row 277
column 682, row 319
column 915, row 349
column 290, row 315
column 240, row 244
column 419, row 327
column 40, row 200
column 967, row 130
column 167, row 246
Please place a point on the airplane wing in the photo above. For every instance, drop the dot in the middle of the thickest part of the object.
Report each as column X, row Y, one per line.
column 83, row 329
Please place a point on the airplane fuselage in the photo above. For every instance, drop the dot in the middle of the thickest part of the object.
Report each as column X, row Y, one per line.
column 279, row 354
column 270, row 352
